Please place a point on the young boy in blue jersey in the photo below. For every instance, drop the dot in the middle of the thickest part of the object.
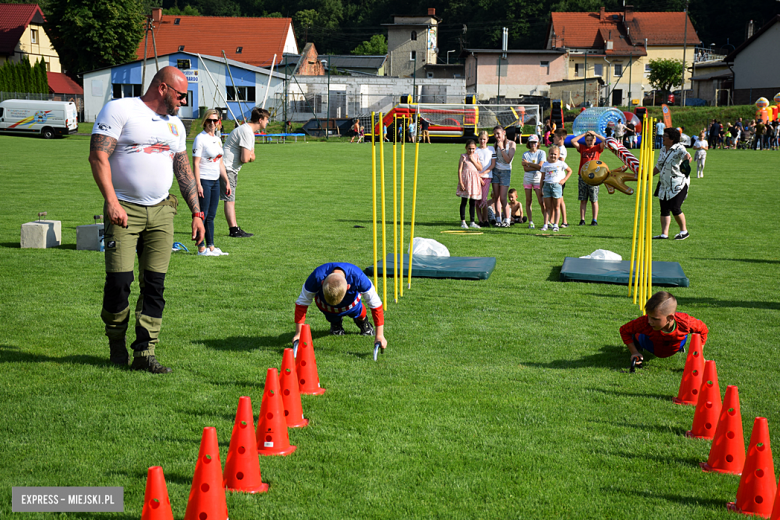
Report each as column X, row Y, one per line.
column 340, row 289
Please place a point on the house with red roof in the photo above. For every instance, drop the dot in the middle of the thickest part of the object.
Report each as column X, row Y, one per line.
column 618, row 47
column 22, row 34
column 253, row 41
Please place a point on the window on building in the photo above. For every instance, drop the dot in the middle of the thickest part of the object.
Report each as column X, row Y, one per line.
column 501, row 67
column 412, row 55
column 413, row 36
column 181, row 48
column 48, row 67
column 577, row 70
column 648, row 69
column 429, row 74
column 618, row 69
column 545, row 67
column 123, row 90
column 239, row 50
column 33, row 36
column 243, row 93
column 176, row 21
column 183, row 64
column 598, row 69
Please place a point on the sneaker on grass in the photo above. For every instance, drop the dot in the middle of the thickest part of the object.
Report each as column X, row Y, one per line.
column 474, row 225
column 545, row 228
column 660, row 237
column 682, row 235
column 464, row 225
column 531, row 225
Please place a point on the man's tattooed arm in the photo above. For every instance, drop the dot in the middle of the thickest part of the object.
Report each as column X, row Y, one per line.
column 186, row 180
column 102, row 143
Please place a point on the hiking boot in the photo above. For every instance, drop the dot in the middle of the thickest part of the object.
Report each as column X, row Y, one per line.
column 118, row 352
column 336, row 329
column 149, row 364
column 239, row 233
column 366, row 329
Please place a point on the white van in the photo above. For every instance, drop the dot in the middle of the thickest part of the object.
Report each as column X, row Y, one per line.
column 45, row 118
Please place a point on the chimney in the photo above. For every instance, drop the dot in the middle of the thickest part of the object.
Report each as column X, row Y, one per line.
column 157, row 14
column 628, row 15
column 431, row 11
column 602, row 16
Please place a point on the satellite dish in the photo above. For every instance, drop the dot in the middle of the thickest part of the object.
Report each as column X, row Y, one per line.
column 436, row 50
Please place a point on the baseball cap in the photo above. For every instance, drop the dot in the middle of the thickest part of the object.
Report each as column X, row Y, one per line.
column 533, row 138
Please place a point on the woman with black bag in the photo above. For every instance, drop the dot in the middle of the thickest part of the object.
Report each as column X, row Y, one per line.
column 674, row 168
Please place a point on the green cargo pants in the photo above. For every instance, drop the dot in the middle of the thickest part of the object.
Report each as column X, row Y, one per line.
column 149, row 236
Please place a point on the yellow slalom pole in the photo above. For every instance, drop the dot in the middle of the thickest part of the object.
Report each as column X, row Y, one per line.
column 647, row 228
column 640, row 243
column 373, row 187
column 384, row 237
column 401, row 240
column 395, row 213
column 414, row 208
column 649, row 247
column 632, row 269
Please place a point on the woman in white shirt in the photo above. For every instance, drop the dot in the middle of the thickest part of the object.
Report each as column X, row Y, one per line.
column 208, row 167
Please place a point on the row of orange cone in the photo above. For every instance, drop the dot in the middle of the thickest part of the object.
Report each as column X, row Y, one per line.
column 758, row 494
column 280, row 409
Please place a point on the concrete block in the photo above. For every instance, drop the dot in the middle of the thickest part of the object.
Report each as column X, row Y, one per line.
column 89, row 237
column 41, row 234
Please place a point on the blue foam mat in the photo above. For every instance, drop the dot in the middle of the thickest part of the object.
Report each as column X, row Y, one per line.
column 611, row 271
column 427, row 266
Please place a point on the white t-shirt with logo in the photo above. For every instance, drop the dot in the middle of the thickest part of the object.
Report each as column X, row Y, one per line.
column 142, row 162
column 553, row 173
column 242, row 137
column 209, row 149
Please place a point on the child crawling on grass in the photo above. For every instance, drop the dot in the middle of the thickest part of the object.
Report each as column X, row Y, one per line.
column 662, row 331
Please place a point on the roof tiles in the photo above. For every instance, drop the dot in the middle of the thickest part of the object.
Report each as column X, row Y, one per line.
column 259, row 38
column 14, row 19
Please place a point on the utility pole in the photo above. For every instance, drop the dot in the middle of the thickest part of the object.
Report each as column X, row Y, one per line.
column 630, row 69
column 585, row 81
column 504, row 44
column 685, row 45
column 327, row 113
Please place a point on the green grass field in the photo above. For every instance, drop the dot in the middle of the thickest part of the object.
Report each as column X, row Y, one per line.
column 504, row 398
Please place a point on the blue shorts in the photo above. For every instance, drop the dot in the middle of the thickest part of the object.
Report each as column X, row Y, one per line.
column 358, row 311
column 501, row 177
column 644, row 343
column 552, row 190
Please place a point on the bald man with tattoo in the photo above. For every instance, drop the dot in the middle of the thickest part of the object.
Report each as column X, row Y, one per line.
column 138, row 145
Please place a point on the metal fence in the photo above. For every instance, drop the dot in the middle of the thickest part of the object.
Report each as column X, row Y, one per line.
column 339, row 105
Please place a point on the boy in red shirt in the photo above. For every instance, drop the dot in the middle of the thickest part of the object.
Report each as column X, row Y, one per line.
column 662, row 331
column 588, row 152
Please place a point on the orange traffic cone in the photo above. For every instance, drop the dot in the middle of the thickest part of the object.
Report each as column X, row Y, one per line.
column 708, row 408
column 727, row 454
column 207, row 495
column 291, row 395
column 306, row 365
column 692, row 375
column 776, row 510
column 756, row 492
column 272, row 438
column 157, row 505
column 242, row 468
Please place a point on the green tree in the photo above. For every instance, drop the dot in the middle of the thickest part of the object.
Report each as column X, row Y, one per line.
column 187, row 11
column 665, row 73
column 90, row 34
column 43, row 78
column 376, row 46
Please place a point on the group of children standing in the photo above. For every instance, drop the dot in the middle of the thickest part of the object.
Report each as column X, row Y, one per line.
column 545, row 173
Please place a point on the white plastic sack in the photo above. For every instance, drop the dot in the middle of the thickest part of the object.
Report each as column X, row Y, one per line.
column 603, row 254
column 428, row 246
